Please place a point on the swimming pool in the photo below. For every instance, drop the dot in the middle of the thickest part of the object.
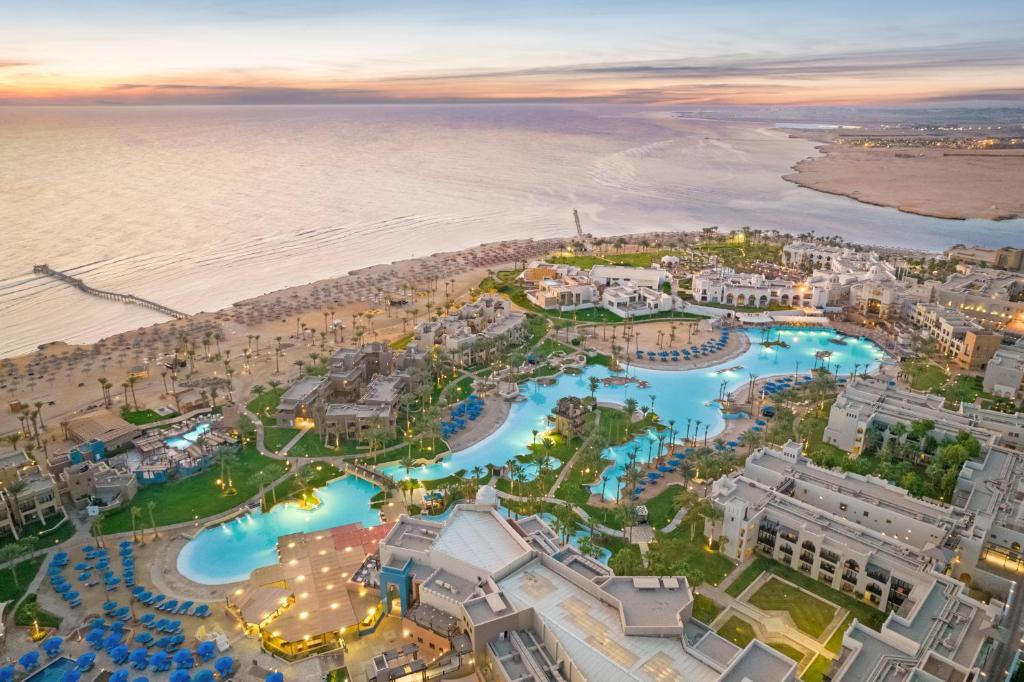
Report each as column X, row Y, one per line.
column 678, row 396
column 230, row 551
column 604, row 554
column 53, row 672
column 186, row 439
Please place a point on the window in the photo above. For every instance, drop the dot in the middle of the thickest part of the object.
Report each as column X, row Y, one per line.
column 865, row 513
column 842, row 506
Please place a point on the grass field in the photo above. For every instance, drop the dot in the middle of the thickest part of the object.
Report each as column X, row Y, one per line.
column 865, row 613
column 26, row 571
column 737, row 631
column 810, row 614
column 787, row 651
column 705, row 609
column 816, row 670
column 140, row 417
column 264, row 405
column 197, row 496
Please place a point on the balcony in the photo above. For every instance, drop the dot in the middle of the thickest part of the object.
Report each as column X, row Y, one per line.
column 805, row 567
column 829, row 556
column 786, row 549
column 809, row 546
column 828, row 568
column 789, row 536
column 875, row 574
column 807, row 557
column 873, row 588
column 850, row 577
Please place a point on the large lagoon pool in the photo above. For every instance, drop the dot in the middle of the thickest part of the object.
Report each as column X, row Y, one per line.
column 229, row 552
column 678, row 396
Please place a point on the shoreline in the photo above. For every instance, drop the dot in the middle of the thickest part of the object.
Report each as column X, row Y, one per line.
column 941, row 184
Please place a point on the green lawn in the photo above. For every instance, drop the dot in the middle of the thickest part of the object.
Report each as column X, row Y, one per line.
column 737, row 631
column 26, row 571
column 676, row 554
column 265, row 404
column 29, row 612
column 48, row 535
column 811, row 615
column 276, row 437
column 835, row 642
column 816, row 670
column 865, row 613
column 787, row 651
column 402, row 341
column 662, row 507
column 705, row 609
column 923, row 375
column 140, row 417
column 318, row 475
column 197, row 496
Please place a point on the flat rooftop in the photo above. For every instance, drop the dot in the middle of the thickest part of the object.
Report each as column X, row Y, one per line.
column 650, row 600
column 760, row 663
column 591, row 632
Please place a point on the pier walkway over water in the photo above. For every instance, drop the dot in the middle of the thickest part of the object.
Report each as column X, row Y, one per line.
column 130, row 299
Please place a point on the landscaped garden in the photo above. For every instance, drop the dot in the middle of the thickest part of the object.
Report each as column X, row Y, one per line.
column 198, row 496
column 864, row 613
column 737, row 631
column 810, row 614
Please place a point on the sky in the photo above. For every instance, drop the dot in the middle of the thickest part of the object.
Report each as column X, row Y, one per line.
column 711, row 52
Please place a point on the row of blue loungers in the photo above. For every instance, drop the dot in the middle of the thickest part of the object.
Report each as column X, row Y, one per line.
column 653, row 476
column 470, row 408
column 111, row 637
column 691, row 353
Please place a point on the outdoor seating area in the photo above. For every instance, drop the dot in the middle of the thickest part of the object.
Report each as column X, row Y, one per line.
column 469, row 409
column 707, row 348
column 652, row 477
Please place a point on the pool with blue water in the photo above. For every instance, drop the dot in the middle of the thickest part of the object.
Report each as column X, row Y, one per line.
column 678, row 396
column 229, row 552
column 53, row 672
column 188, row 438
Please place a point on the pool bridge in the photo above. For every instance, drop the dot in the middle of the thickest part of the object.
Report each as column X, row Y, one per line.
column 367, row 474
column 130, row 299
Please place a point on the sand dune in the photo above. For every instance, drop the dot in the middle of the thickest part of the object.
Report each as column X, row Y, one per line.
column 930, row 182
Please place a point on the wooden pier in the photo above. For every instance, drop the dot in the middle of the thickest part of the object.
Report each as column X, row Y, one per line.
column 130, row 299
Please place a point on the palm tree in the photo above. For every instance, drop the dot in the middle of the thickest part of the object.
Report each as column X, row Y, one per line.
column 751, row 439
column 593, row 383
column 407, row 462
column 103, row 387
column 136, row 514
column 150, row 506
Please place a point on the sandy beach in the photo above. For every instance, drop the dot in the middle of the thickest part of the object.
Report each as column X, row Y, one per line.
column 938, row 183
column 65, row 378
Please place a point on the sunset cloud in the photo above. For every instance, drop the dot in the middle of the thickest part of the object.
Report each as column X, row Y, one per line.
column 311, row 52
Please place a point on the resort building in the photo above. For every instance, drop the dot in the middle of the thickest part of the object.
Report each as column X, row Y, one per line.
column 27, row 494
column 617, row 275
column 298, row 404
column 102, row 426
column 535, row 610
column 994, row 298
column 889, row 299
column 815, row 256
column 460, row 333
column 866, row 401
column 98, row 483
column 1004, row 374
column 725, row 286
column 570, row 416
column 310, row 601
column 567, row 293
column 869, row 539
column 628, row 301
column 1006, row 258
column 958, row 336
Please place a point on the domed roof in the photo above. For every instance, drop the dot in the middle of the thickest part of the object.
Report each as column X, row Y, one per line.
column 487, row 495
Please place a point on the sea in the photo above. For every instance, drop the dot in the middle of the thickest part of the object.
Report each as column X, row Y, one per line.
column 199, row 207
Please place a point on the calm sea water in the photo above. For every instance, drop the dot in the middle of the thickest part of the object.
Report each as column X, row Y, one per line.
column 198, row 207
